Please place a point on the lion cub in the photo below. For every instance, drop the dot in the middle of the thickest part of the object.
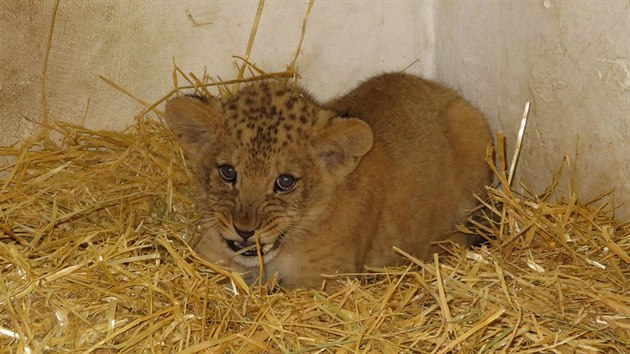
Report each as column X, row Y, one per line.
column 327, row 189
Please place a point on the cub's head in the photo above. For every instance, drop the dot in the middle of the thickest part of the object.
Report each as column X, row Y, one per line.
column 267, row 162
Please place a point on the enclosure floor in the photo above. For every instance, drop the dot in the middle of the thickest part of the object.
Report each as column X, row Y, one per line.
column 93, row 259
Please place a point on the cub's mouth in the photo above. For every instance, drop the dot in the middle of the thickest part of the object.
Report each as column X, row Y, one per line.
column 248, row 249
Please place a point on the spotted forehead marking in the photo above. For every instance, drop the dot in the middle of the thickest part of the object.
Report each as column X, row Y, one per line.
column 266, row 117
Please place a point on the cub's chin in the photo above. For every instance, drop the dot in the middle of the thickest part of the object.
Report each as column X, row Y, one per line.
column 246, row 254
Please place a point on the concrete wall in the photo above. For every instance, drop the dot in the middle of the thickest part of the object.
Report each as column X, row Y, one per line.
column 133, row 43
column 570, row 58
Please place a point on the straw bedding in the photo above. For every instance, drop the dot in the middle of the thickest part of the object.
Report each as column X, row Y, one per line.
column 93, row 260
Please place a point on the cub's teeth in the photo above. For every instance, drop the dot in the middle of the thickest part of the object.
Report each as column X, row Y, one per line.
column 266, row 248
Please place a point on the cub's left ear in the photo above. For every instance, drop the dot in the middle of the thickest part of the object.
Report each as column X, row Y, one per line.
column 340, row 143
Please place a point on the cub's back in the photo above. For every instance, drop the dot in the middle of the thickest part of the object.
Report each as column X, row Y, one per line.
column 429, row 150
column 407, row 112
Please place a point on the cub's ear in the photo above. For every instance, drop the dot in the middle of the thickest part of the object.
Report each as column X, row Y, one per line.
column 192, row 121
column 340, row 144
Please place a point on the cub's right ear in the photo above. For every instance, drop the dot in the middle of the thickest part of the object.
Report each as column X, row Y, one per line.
column 192, row 121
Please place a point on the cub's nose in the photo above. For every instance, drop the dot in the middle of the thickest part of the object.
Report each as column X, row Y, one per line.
column 245, row 234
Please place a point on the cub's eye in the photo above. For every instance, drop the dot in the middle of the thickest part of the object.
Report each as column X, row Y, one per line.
column 227, row 173
column 284, row 184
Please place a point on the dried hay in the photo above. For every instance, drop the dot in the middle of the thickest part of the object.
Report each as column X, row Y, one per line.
column 93, row 260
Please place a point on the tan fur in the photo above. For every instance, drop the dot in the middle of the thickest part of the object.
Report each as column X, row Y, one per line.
column 401, row 171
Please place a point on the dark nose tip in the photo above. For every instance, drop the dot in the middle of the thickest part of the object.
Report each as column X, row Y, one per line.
column 245, row 234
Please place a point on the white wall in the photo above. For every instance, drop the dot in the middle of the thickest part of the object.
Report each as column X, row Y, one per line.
column 571, row 59
column 133, row 43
